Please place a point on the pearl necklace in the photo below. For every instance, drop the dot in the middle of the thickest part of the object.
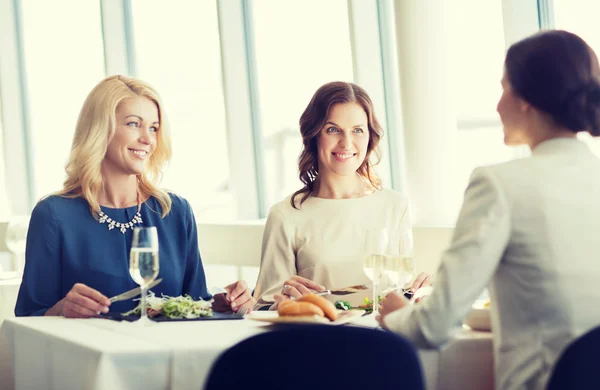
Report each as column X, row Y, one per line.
column 137, row 218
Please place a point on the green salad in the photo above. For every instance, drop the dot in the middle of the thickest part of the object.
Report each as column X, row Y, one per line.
column 367, row 305
column 174, row 307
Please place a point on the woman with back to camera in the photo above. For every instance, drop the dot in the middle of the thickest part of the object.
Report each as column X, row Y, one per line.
column 315, row 238
column 74, row 259
column 527, row 227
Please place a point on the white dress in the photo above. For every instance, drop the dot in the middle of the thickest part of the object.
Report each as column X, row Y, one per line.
column 324, row 241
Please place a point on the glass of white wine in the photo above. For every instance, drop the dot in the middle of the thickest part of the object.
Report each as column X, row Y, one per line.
column 376, row 247
column 399, row 264
column 143, row 263
column 407, row 257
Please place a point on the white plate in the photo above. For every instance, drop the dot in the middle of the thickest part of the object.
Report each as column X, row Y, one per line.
column 479, row 319
column 273, row 317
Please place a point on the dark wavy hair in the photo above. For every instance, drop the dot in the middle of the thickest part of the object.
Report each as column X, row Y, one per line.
column 558, row 73
column 311, row 123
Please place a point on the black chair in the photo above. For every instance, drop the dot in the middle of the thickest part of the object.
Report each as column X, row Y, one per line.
column 577, row 367
column 319, row 357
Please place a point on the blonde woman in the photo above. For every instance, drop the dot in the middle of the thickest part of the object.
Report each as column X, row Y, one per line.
column 75, row 256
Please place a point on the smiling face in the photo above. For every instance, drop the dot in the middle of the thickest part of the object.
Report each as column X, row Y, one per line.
column 135, row 137
column 343, row 141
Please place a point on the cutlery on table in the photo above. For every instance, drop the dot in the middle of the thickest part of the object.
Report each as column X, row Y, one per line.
column 133, row 293
column 345, row 290
column 408, row 293
column 342, row 291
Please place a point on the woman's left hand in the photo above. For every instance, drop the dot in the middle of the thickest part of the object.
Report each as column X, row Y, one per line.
column 238, row 296
column 391, row 302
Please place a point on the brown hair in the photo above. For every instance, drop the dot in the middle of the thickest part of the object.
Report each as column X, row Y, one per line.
column 558, row 73
column 311, row 123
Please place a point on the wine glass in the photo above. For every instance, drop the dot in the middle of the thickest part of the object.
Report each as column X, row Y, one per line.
column 407, row 256
column 143, row 263
column 400, row 265
column 376, row 247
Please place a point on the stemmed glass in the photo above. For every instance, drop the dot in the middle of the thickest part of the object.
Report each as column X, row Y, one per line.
column 376, row 247
column 400, row 264
column 407, row 254
column 143, row 263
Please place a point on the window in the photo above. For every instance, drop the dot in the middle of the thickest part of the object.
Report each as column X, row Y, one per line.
column 5, row 211
column 477, row 31
column 580, row 17
column 177, row 52
column 299, row 47
column 63, row 61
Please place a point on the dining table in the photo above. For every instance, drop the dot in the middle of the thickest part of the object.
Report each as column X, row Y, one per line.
column 59, row 353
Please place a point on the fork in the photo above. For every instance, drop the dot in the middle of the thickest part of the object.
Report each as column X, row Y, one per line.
column 242, row 312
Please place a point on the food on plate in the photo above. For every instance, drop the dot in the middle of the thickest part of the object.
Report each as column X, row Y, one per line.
column 174, row 307
column 308, row 305
column 325, row 305
column 343, row 305
column 297, row 308
column 367, row 305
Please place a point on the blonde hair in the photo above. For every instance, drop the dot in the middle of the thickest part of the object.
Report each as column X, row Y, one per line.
column 96, row 127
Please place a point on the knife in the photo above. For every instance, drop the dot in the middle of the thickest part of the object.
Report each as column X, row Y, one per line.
column 354, row 289
column 345, row 290
column 342, row 291
column 133, row 293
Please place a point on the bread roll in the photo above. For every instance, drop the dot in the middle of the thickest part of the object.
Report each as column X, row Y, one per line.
column 297, row 308
column 328, row 308
column 283, row 303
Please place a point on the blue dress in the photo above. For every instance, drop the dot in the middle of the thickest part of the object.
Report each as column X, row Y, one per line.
column 66, row 245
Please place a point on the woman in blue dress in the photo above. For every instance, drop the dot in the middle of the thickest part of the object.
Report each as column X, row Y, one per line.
column 79, row 238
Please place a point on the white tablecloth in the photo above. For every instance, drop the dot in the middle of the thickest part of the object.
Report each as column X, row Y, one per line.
column 58, row 353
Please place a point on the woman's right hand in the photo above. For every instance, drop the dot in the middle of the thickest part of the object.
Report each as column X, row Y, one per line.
column 296, row 287
column 81, row 302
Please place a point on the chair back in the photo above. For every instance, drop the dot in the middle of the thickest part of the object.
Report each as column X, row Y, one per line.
column 319, row 357
column 577, row 366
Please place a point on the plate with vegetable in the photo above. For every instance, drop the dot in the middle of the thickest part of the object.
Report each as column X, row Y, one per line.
column 366, row 305
column 181, row 308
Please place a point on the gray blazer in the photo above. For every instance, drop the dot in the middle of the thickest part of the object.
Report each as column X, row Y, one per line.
column 529, row 228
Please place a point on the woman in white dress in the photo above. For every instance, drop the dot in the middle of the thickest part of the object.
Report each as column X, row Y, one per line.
column 529, row 228
column 315, row 238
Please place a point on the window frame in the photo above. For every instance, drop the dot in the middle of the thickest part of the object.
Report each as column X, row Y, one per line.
column 374, row 52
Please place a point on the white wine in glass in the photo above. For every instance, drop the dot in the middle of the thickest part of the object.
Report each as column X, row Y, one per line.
column 408, row 269
column 407, row 256
column 394, row 270
column 144, row 263
column 376, row 247
column 399, row 265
